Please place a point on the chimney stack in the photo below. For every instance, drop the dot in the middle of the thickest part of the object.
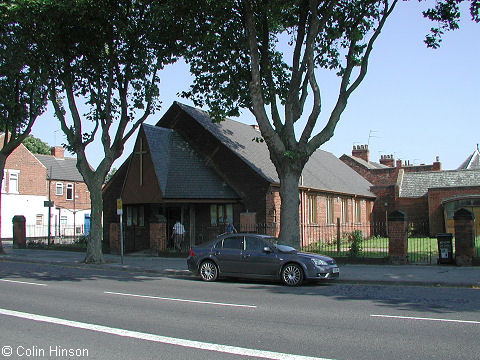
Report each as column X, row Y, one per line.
column 437, row 165
column 361, row 151
column 58, row 152
column 387, row 160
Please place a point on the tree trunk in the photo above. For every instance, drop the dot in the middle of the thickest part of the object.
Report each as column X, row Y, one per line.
column 3, row 160
column 289, row 213
column 1, row 245
column 94, row 253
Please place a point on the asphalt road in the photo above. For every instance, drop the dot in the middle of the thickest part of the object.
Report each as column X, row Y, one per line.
column 56, row 312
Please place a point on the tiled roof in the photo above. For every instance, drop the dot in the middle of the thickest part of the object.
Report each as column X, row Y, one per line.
column 175, row 162
column 416, row 184
column 367, row 164
column 323, row 172
column 472, row 162
column 60, row 169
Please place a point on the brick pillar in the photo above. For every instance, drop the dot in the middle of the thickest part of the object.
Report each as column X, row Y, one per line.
column 464, row 237
column 114, row 238
column 158, row 236
column 397, row 238
column 19, row 233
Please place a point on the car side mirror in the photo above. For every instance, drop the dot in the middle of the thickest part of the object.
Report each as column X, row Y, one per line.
column 267, row 249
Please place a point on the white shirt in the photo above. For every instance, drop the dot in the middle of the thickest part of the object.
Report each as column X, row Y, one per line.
column 178, row 228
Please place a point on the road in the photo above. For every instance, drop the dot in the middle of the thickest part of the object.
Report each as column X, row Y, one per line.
column 56, row 312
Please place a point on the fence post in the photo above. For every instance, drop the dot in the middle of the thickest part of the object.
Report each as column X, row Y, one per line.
column 158, row 236
column 464, row 221
column 338, row 236
column 19, row 234
column 397, row 238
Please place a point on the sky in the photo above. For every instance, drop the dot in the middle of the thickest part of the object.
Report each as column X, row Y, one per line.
column 415, row 103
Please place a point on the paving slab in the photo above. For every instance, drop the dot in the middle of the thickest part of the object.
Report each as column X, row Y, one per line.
column 428, row 275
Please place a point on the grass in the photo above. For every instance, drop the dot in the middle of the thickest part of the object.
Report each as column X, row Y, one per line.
column 419, row 249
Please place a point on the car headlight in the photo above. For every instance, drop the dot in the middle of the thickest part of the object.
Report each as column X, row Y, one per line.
column 319, row 262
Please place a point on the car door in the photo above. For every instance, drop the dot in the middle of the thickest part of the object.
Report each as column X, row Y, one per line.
column 229, row 255
column 256, row 260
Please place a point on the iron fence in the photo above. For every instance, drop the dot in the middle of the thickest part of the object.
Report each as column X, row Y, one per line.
column 338, row 240
column 66, row 234
column 346, row 240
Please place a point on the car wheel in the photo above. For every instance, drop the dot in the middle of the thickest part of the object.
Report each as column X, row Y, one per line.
column 208, row 271
column 292, row 275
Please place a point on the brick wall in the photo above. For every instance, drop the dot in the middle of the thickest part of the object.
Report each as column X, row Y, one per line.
column 397, row 235
column 435, row 208
column 81, row 195
column 32, row 174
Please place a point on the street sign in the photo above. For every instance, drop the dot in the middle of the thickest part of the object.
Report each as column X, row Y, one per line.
column 48, row 203
column 119, row 207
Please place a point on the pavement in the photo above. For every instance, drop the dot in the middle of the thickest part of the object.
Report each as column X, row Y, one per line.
column 424, row 275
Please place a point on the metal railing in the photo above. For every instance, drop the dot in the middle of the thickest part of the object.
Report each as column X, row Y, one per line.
column 65, row 234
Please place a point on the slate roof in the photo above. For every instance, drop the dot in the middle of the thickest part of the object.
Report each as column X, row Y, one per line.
column 472, row 162
column 60, row 169
column 323, row 172
column 175, row 162
column 415, row 184
column 367, row 164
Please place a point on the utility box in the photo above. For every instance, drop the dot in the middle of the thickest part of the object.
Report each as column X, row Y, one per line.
column 445, row 248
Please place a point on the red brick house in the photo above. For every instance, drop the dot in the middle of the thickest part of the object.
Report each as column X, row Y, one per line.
column 208, row 174
column 25, row 190
column 426, row 194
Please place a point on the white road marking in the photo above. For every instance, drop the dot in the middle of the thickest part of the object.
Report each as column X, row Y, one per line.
column 22, row 282
column 428, row 319
column 182, row 300
column 234, row 350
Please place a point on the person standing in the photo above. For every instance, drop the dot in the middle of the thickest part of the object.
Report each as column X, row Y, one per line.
column 229, row 228
column 178, row 234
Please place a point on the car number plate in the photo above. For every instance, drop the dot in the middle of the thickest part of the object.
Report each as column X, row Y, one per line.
column 336, row 270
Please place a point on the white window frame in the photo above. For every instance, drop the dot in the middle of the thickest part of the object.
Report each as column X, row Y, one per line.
column 59, row 189
column 311, row 209
column 13, row 186
column 39, row 220
column 69, row 187
column 358, row 211
column 344, row 211
column 330, row 210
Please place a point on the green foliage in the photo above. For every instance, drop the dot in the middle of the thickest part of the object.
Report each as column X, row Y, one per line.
column 262, row 55
column 36, row 146
column 446, row 14
column 355, row 239
column 23, row 90
column 106, row 56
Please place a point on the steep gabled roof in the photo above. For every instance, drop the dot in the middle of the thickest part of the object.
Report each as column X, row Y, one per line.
column 416, row 184
column 323, row 172
column 175, row 163
column 60, row 169
column 472, row 162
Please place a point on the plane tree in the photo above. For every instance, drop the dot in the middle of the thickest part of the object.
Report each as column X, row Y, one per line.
column 268, row 57
column 103, row 60
column 447, row 13
column 23, row 90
